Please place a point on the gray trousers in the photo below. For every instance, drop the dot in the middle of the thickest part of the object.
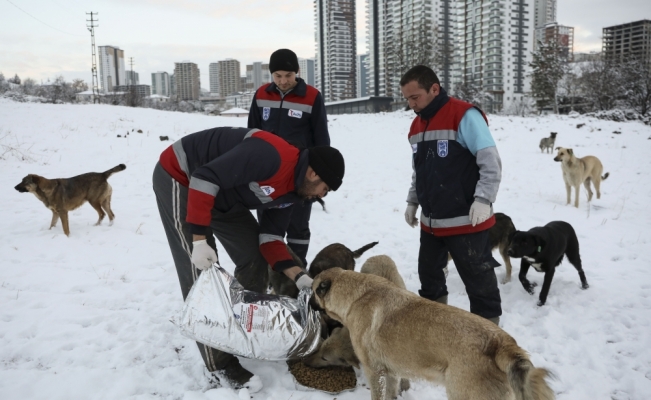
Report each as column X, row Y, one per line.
column 237, row 230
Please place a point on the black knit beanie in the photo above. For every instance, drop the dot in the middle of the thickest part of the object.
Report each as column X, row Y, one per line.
column 283, row 60
column 328, row 163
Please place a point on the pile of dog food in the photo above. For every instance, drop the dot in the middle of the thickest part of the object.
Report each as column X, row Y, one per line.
column 328, row 379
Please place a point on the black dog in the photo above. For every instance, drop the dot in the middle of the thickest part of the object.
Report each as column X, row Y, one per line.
column 543, row 248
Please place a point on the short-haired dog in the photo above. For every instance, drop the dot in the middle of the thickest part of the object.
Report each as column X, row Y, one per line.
column 63, row 195
column 543, row 247
column 397, row 334
column 577, row 171
column 548, row 142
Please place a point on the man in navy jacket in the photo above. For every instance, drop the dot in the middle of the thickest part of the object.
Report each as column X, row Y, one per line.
column 205, row 185
column 293, row 110
column 457, row 172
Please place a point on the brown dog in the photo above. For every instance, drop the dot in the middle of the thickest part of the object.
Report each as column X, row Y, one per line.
column 336, row 255
column 337, row 350
column 580, row 170
column 397, row 334
column 66, row 194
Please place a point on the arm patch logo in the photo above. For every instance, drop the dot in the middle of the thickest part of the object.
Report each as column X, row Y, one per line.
column 266, row 111
column 442, row 148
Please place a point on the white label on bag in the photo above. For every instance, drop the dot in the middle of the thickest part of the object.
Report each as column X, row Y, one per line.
column 252, row 317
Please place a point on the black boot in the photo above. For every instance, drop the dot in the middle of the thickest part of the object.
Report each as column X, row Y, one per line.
column 236, row 375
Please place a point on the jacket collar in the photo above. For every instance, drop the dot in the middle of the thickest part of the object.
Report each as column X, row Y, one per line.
column 301, row 169
column 300, row 89
column 435, row 105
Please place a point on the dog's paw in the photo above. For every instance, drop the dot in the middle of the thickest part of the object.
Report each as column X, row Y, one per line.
column 585, row 286
column 506, row 280
column 529, row 288
column 541, row 303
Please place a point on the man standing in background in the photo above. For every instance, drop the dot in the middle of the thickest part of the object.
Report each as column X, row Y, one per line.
column 295, row 111
column 457, row 172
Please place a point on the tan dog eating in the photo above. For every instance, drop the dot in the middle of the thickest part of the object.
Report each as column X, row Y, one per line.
column 397, row 334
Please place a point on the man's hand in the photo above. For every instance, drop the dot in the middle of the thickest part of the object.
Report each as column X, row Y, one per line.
column 479, row 212
column 410, row 214
column 203, row 256
column 304, row 281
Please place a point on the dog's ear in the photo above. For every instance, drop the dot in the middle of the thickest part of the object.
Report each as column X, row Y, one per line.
column 570, row 152
column 33, row 179
column 323, row 288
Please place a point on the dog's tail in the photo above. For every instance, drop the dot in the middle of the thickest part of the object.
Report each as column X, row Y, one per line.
column 603, row 178
column 527, row 381
column 357, row 253
column 117, row 168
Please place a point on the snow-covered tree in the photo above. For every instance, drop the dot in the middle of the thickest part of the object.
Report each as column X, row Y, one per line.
column 547, row 69
column 15, row 79
column 599, row 84
column 3, row 83
column 29, row 86
column 472, row 93
column 636, row 85
column 78, row 85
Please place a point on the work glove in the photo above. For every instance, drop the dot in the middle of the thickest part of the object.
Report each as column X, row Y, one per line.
column 304, row 281
column 410, row 214
column 203, row 256
column 479, row 212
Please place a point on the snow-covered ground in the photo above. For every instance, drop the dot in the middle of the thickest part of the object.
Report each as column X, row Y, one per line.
column 87, row 316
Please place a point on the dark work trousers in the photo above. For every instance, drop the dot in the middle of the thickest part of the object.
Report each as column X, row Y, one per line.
column 298, row 232
column 237, row 230
column 475, row 263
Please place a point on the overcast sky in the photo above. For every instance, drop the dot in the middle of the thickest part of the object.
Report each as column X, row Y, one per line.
column 42, row 39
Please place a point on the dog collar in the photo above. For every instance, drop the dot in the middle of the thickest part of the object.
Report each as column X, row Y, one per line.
column 539, row 249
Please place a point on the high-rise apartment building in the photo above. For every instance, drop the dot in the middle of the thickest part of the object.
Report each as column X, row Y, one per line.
column 621, row 43
column 186, row 75
column 544, row 14
column 229, row 77
column 362, row 75
column 160, row 84
column 306, row 70
column 562, row 35
column 131, row 78
column 257, row 74
column 495, row 44
column 172, row 85
column 213, row 77
column 403, row 34
column 336, row 49
column 111, row 67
